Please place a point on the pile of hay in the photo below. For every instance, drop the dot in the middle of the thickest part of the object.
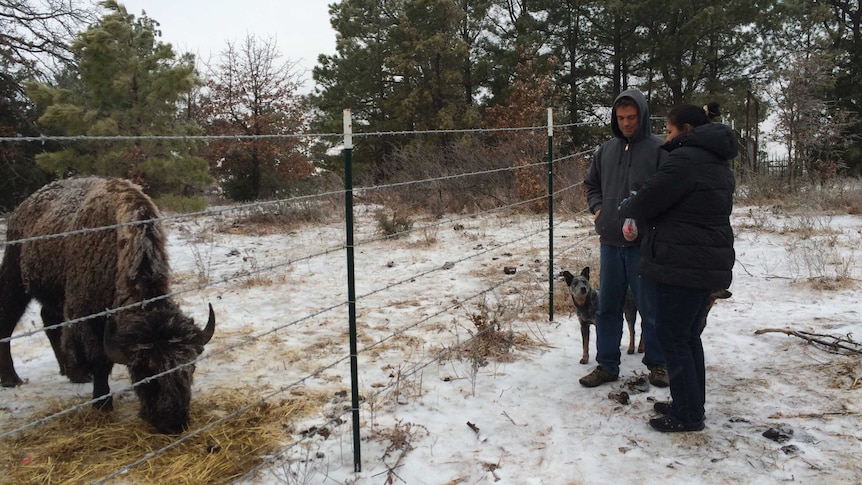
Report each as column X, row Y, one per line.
column 88, row 445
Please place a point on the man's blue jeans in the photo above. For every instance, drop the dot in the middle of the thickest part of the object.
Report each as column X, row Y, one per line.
column 619, row 270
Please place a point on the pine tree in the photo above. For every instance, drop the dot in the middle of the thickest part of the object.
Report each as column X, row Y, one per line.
column 126, row 83
column 399, row 66
column 19, row 175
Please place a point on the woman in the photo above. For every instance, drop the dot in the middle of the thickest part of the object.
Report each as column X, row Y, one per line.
column 687, row 250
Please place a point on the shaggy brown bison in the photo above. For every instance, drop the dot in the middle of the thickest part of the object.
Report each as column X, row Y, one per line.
column 88, row 272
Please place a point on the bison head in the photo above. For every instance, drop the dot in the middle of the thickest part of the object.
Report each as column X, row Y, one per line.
column 153, row 341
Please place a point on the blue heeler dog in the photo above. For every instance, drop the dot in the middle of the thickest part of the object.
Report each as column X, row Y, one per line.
column 586, row 300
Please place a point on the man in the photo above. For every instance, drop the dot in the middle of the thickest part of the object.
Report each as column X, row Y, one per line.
column 620, row 166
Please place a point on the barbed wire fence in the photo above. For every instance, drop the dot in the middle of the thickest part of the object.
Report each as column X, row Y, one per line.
column 555, row 249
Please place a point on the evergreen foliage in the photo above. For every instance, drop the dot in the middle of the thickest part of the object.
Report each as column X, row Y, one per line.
column 125, row 82
column 19, row 175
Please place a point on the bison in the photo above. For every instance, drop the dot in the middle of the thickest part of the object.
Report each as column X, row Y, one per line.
column 87, row 272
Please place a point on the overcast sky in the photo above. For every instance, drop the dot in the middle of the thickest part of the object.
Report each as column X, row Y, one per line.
column 300, row 27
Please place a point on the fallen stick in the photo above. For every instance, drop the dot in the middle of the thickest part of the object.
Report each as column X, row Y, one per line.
column 510, row 418
column 824, row 414
column 830, row 343
column 476, row 430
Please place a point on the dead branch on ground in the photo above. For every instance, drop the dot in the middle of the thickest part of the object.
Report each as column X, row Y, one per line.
column 837, row 344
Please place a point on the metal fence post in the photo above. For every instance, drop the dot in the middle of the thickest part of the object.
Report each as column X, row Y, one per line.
column 550, row 214
column 351, row 285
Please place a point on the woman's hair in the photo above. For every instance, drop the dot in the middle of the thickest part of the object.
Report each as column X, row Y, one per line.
column 689, row 114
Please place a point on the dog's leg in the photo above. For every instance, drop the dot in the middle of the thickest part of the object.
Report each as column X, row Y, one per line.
column 585, row 339
column 631, row 314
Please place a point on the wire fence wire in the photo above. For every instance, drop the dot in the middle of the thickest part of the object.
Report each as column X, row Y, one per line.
column 327, row 307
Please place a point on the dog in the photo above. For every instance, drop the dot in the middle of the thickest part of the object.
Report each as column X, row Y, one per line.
column 586, row 300
column 715, row 295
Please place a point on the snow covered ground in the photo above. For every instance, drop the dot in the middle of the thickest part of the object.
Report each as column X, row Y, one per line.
column 434, row 411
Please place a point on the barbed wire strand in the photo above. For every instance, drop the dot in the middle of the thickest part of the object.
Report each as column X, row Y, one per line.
column 242, row 207
column 47, row 138
column 472, row 215
column 146, row 380
column 196, row 432
column 196, row 288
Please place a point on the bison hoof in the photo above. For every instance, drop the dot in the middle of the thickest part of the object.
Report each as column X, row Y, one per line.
column 11, row 382
column 78, row 377
column 104, row 404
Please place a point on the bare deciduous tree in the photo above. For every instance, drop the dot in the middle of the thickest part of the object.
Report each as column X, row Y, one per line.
column 37, row 32
column 250, row 92
column 811, row 127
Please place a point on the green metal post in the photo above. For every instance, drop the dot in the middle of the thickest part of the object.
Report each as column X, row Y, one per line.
column 351, row 285
column 550, row 214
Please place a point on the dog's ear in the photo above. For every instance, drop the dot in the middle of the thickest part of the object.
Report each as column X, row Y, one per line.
column 586, row 272
column 568, row 277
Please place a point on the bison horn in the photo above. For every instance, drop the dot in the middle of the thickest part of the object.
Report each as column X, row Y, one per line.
column 209, row 330
column 111, row 349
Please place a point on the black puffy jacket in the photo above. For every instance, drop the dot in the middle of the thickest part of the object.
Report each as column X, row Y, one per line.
column 686, row 205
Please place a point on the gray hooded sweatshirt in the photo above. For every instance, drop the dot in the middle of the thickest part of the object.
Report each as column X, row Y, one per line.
column 620, row 166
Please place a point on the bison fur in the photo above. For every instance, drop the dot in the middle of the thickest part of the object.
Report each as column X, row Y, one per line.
column 79, row 275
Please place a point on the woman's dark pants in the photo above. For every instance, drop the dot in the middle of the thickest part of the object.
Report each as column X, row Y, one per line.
column 679, row 313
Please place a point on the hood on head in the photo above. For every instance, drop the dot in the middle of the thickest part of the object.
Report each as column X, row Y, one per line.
column 643, row 115
column 716, row 138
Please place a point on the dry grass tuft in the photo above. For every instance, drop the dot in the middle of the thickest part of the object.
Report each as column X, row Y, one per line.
column 491, row 340
column 88, row 445
column 831, row 283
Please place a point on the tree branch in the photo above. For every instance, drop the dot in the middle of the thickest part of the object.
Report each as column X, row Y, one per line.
column 831, row 343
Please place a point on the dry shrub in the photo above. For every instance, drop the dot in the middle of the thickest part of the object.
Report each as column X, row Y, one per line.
column 490, row 339
column 831, row 283
column 445, row 177
column 399, row 439
column 761, row 189
column 257, row 280
column 840, row 195
column 284, row 216
column 813, row 251
column 570, row 194
column 471, row 174
column 530, row 188
column 393, row 225
column 399, row 436
column 87, row 445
